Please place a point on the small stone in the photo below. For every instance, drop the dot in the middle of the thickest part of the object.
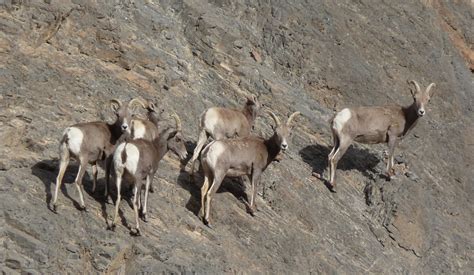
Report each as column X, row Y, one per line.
column 412, row 176
column 72, row 248
column 256, row 56
column 400, row 159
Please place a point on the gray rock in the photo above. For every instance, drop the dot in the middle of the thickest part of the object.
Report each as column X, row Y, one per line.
column 64, row 62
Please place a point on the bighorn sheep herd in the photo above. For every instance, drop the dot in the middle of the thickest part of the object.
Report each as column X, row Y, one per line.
column 132, row 147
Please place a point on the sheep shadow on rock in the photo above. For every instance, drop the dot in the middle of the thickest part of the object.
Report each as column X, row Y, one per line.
column 47, row 171
column 355, row 157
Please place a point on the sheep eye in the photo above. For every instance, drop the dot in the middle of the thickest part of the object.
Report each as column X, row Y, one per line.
column 178, row 139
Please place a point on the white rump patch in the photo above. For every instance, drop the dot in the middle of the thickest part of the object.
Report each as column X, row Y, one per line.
column 138, row 129
column 211, row 119
column 214, row 152
column 341, row 118
column 133, row 155
column 75, row 137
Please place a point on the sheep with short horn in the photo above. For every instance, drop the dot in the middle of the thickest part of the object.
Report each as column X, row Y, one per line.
column 380, row 124
column 221, row 123
column 248, row 156
column 147, row 128
column 138, row 159
column 91, row 142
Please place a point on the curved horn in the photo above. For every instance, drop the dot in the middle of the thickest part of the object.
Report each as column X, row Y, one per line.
column 416, row 85
column 178, row 122
column 275, row 118
column 428, row 89
column 139, row 101
column 114, row 101
column 292, row 116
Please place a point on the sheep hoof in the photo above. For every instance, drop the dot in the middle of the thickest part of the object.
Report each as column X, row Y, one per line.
column 316, row 175
column 55, row 209
column 135, row 232
column 145, row 217
column 83, row 208
column 152, row 190
column 206, row 222
column 111, row 227
column 251, row 211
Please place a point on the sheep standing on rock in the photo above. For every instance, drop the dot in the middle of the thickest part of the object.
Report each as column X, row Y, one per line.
column 91, row 142
column 221, row 123
column 375, row 125
column 147, row 129
column 239, row 157
column 138, row 160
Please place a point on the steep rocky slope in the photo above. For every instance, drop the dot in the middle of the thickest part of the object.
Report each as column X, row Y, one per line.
column 62, row 60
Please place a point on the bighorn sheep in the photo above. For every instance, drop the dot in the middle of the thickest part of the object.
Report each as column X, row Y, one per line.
column 141, row 128
column 146, row 128
column 375, row 125
column 220, row 123
column 138, row 159
column 238, row 157
column 91, row 142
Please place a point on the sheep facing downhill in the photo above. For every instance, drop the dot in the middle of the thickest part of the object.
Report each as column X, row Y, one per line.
column 221, row 123
column 375, row 125
column 91, row 142
column 238, row 157
column 138, row 160
column 147, row 128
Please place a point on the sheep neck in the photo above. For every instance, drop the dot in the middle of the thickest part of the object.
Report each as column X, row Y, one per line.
column 411, row 118
column 249, row 113
column 273, row 147
column 161, row 143
column 115, row 131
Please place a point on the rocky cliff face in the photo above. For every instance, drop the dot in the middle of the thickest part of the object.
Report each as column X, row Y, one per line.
column 62, row 60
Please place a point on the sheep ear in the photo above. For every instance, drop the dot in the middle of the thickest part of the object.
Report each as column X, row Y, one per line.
column 413, row 93
column 115, row 105
column 251, row 98
column 429, row 88
column 152, row 106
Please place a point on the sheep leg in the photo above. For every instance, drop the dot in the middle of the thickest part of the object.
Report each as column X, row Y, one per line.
column 331, row 154
column 118, row 182
column 136, row 196
column 78, row 183
column 201, row 141
column 340, row 151
column 149, row 179
column 139, row 202
column 215, row 185
column 94, row 176
column 336, row 143
column 204, row 189
column 151, row 189
column 255, row 179
column 108, row 167
column 392, row 142
column 62, row 169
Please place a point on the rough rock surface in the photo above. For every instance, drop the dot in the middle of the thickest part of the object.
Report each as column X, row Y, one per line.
column 62, row 60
